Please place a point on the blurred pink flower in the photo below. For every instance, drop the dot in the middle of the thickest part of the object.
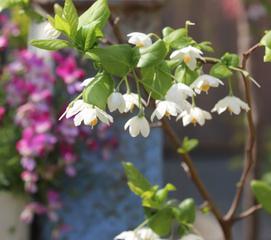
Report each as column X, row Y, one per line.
column 30, row 179
column 69, row 71
column 3, row 42
column 28, row 164
column 231, row 8
column 2, row 112
column 30, row 210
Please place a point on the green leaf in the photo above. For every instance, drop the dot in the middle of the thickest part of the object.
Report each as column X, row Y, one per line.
column 98, row 91
column 267, row 56
column 206, row 46
column 52, row 45
column 188, row 145
column 58, row 9
column 136, row 180
column 118, row 60
column 167, row 30
column 267, row 178
column 11, row 3
column 71, row 16
column 178, row 38
column 220, row 70
column 266, row 40
column 152, row 55
column 161, row 222
column 186, row 212
column 230, row 59
column 262, row 192
column 86, row 36
column 157, row 80
column 184, row 75
column 99, row 11
column 62, row 25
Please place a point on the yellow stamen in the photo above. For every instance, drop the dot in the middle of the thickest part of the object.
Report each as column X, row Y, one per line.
column 194, row 121
column 205, row 88
column 167, row 114
column 230, row 110
column 93, row 122
column 132, row 107
column 140, row 44
column 187, row 59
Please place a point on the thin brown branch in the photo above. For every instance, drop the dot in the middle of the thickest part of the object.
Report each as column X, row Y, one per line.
column 249, row 161
column 115, row 28
column 248, row 212
column 191, row 170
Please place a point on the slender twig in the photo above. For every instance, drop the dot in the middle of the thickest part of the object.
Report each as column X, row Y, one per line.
column 250, row 161
column 247, row 213
column 191, row 169
column 115, row 28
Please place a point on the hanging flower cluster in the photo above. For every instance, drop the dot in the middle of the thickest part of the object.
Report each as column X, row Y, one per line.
column 175, row 102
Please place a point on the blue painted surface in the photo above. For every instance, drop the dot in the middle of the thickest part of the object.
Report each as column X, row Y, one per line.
column 102, row 205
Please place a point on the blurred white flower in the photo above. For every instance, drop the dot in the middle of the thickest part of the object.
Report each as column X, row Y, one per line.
column 87, row 113
column 178, row 94
column 147, row 234
column 188, row 55
column 139, row 39
column 232, row 104
column 128, row 235
column 141, row 234
column 50, row 32
column 138, row 125
column 205, row 82
column 195, row 116
column 131, row 100
column 191, row 237
column 165, row 108
column 116, row 102
column 86, row 82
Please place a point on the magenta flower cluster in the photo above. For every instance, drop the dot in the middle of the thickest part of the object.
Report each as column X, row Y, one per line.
column 47, row 147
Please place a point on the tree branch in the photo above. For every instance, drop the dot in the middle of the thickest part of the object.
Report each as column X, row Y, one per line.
column 248, row 213
column 250, row 161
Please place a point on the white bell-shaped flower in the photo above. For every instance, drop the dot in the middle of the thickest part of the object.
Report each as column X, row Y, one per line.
column 49, row 32
column 191, row 237
column 116, row 102
column 147, row 234
column 188, row 55
column 138, row 125
column 87, row 113
column 195, row 116
column 139, row 39
column 141, row 234
column 127, row 235
column 204, row 83
column 232, row 104
column 86, row 82
column 165, row 108
column 178, row 94
column 132, row 100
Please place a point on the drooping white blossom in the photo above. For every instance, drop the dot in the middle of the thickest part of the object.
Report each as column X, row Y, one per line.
column 204, row 83
column 86, row 82
column 188, row 55
column 139, row 39
column 138, row 125
column 232, row 104
column 194, row 115
column 87, row 113
column 132, row 100
column 191, row 237
column 116, row 102
column 49, row 32
column 178, row 94
column 141, row 234
column 165, row 108
column 127, row 235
